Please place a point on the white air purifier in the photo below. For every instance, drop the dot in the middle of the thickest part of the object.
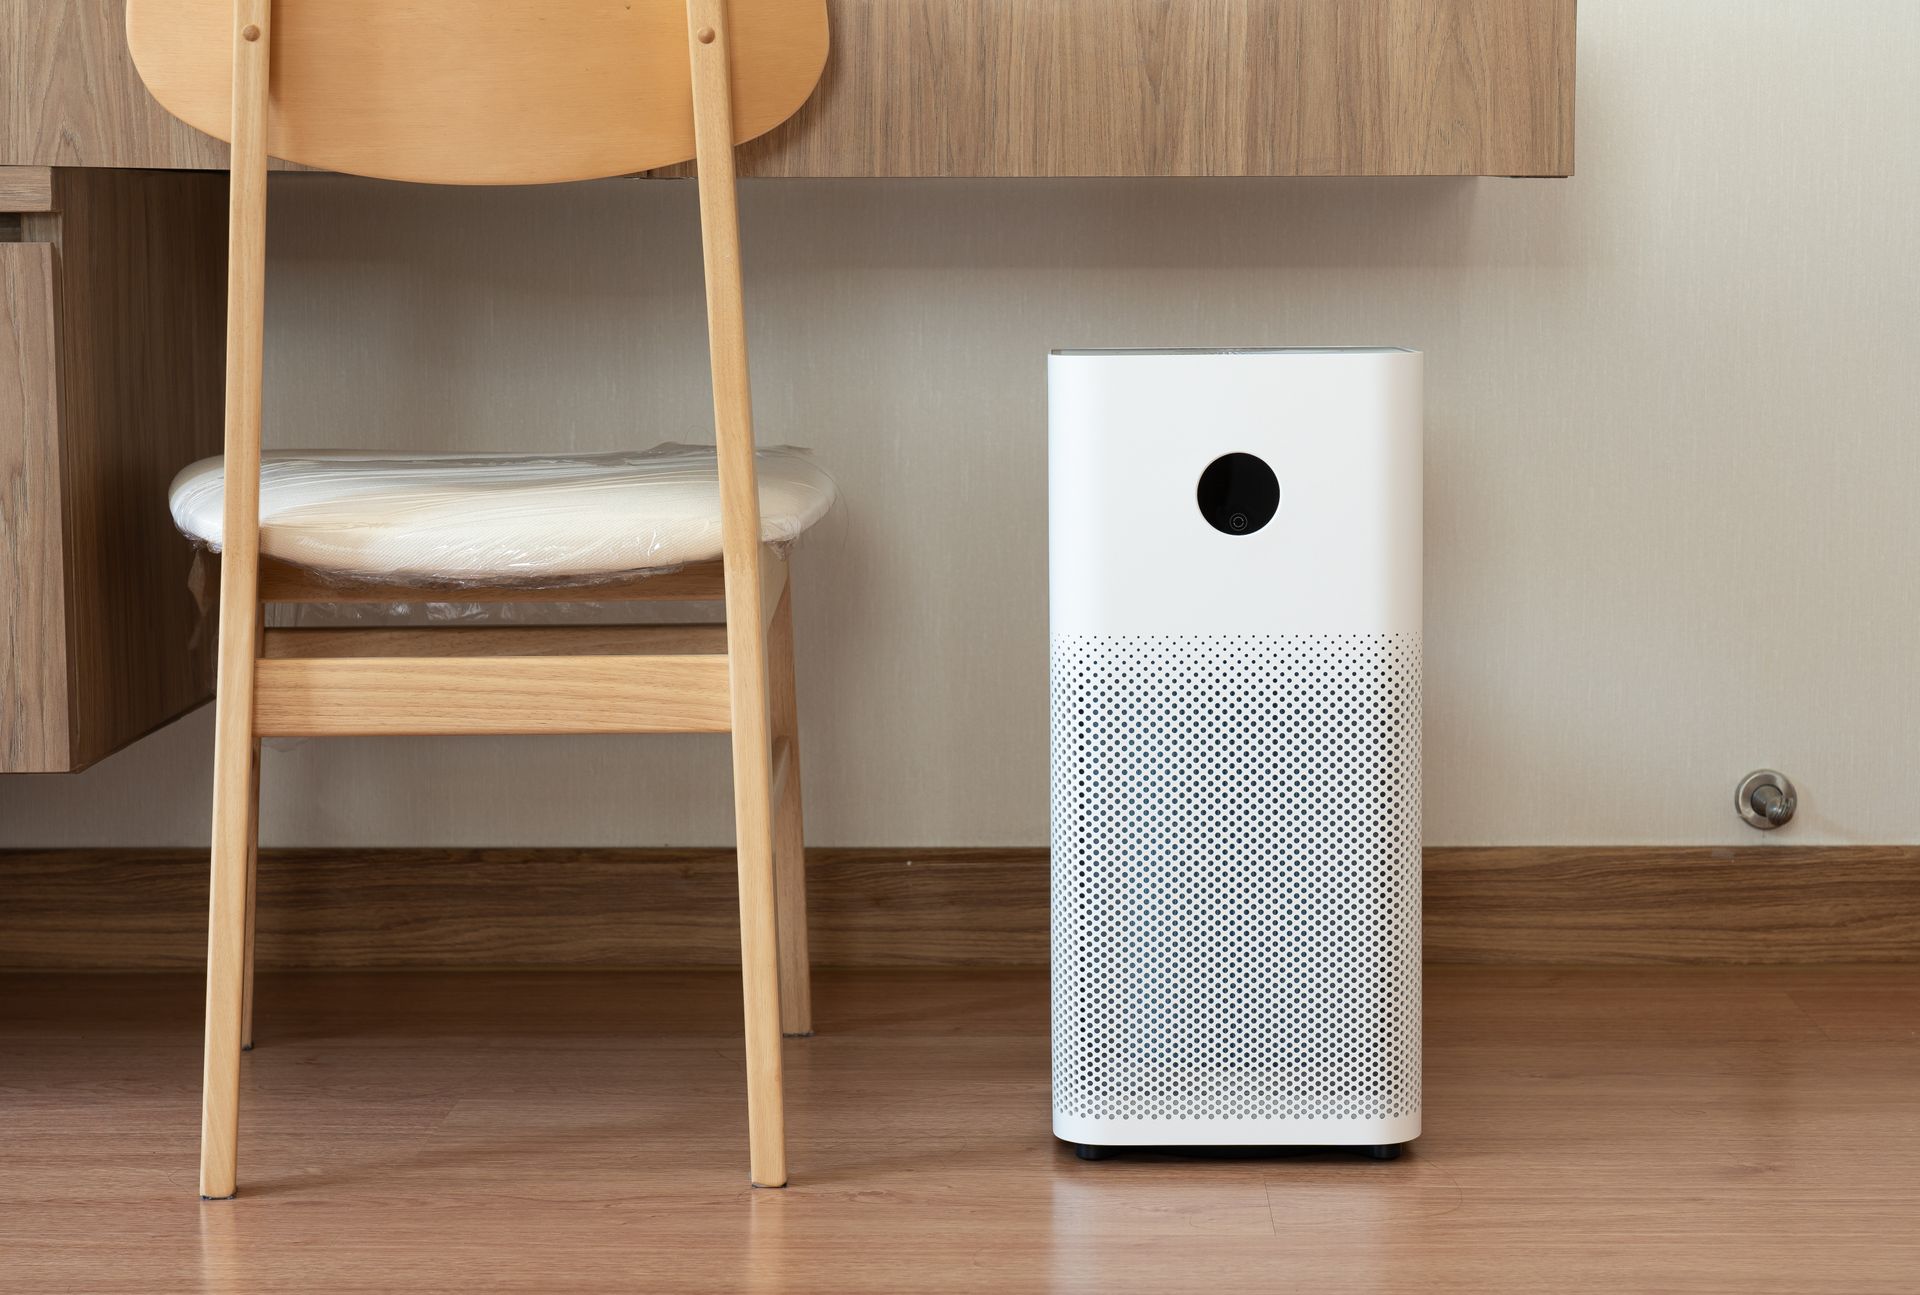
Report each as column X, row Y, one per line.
column 1235, row 588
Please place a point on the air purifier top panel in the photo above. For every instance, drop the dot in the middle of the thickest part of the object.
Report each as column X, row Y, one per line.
column 1240, row 350
column 1225, row 492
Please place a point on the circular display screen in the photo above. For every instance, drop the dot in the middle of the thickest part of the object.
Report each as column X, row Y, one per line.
column 1238, row 494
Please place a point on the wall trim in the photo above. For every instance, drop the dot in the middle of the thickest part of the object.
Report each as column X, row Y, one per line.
column 1540, row 906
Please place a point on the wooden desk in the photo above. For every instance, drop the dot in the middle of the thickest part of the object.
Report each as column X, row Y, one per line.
column 112, row 230
column 1010, row 88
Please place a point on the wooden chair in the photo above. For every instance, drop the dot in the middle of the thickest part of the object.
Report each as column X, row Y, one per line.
column 499, row 92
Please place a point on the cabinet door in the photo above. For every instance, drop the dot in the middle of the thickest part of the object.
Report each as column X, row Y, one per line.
column 34, row 733
column 111, row 346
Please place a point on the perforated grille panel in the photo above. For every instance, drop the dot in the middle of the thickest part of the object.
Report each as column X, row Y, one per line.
column 1236, row 877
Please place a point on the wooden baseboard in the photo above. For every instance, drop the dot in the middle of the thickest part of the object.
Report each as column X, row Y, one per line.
column 146, row 909
column 1601, row 905
column 519, row 908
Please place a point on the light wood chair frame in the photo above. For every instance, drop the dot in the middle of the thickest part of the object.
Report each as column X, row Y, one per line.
column 736, row 678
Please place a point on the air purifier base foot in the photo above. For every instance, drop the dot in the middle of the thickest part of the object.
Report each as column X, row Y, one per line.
column 1380, row 1151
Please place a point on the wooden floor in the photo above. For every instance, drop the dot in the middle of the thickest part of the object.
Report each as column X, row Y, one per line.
column 1619, row 1130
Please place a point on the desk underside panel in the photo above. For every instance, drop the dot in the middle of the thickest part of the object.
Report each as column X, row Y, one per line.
column 1009, row 88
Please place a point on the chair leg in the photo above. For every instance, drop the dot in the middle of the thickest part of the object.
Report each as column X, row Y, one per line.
column 789, row 832
column 760, row 976
column 759, row 936
column 226, row 948
column 253, row 895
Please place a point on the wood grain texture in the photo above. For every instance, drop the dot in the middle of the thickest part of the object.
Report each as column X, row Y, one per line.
column 141, row 281
column 253, row 896
column 773, row 586
column 236, row 745
column 1612, row 905
column 1215, row 87
column 35, row 729
column 479, row 91
column 550, row 907
column 1627, row 1130
column 720, row 80
column 1009, row 87
column 26, row 188
column 135, row 326
column 73, row 98
column 789, row 830
column 339, row 696
column 920, row 908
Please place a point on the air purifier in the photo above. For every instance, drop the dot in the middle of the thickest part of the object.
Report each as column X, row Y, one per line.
column 1235, row 688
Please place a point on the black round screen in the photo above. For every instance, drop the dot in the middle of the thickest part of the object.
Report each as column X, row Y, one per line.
column 1238, row 494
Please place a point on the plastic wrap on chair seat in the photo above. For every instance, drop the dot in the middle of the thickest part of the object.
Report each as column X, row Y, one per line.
column 499, row 518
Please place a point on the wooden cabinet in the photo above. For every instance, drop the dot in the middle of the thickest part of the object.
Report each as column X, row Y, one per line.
column 112, row 318
column 1009, row 88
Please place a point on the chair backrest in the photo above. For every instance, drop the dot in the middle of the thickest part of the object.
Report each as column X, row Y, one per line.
column 483, row 92
column 479, row 91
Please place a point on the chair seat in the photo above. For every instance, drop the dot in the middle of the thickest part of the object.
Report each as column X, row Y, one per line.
column 499, row 518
